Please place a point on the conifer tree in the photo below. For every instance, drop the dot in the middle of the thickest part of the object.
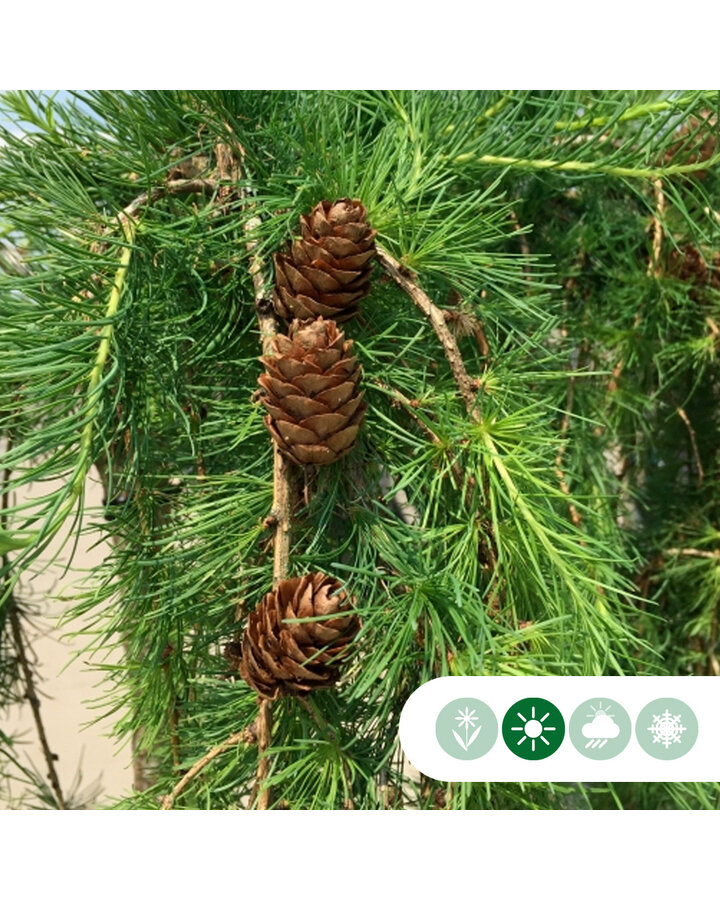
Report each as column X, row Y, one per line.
column 435, row 370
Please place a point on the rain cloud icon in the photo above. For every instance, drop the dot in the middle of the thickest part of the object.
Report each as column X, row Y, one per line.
column 600, row 730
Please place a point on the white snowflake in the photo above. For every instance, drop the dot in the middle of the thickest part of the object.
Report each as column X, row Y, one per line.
column 666, row 729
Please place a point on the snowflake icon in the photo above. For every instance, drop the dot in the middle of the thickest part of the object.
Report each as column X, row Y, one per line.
column 666, row 729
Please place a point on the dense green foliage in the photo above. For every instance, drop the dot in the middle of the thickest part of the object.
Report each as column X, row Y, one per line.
column 572, row 239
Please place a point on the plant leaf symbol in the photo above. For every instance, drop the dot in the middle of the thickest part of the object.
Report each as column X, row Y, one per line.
column 459, row 740
column 473, row 736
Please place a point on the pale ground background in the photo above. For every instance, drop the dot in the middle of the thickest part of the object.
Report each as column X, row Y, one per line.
column 69, row 687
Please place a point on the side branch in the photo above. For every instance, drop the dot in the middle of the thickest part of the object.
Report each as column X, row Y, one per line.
column 466, row 385
column 172, row 188
column 576, row 165
column 637, row 111
column 281, row 514
column 282, row 510
column 127, row 220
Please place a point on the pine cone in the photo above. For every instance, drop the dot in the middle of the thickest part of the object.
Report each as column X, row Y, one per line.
column 328, row 270
column 687, row 264
column 281, row 658
column 698, row 141
column 311, row 393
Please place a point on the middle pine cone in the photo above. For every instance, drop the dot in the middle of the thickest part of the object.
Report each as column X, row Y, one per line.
column 311, row 393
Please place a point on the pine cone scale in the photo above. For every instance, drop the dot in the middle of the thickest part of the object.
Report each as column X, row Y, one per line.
column 315, row 385
column 301, row 307
column 322, row 280
column 276, row 387
column 315, row 255
column 338, row 395
column 342, row 441
column 351, row 407
column 325, row 425
column 301, row 407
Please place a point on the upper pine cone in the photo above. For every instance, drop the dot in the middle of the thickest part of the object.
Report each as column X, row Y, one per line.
column 311, row 393
column 281, row 657
column 328, row 270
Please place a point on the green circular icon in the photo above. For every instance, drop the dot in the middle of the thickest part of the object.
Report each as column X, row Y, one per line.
column 600, row 728
column 466, row 728
column 666, row 728
column 533, row 728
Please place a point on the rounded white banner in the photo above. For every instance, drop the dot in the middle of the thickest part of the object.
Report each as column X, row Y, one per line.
column 544, row 728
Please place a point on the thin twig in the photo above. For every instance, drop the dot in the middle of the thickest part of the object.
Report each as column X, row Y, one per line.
column 264, row 730
column 18, row 640
column 713, row 666
column 171, row 188
column 127, row 217
column 691, row 551
column 34, row 700
column 653, row 269
column 522, row 237
column 620, row 365
column 404, row 279
column 464, row 323
column 246, row 736
column 575, row 516
column 696, row 453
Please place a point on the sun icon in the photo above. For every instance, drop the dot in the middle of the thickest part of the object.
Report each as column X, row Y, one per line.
column 533, row 728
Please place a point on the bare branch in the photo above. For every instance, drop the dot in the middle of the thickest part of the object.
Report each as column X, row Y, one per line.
column 34, row 700
column 691, row 551
column 575, row 516
column 11, row 259
column 653, row 269
column 467, row 386
column 246, row 736
column 19, row 642
column 172, row 188
column 696, row 453
column 404, row 279
column 230, row 165
column 264, row 731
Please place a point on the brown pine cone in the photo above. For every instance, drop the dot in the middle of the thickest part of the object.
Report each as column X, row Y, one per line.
column 311, row 393
column 328, row 270
column 698, row 141
column 687, row 264
column 286, row 658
